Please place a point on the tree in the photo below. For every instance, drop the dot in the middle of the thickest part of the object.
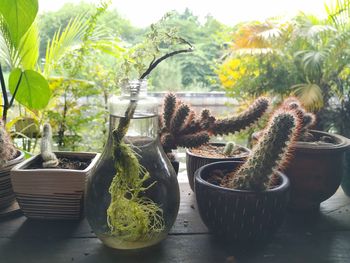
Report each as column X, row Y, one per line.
column 304, row 56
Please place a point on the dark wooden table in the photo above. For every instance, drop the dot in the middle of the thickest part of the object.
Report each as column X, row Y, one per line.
column 324, row 237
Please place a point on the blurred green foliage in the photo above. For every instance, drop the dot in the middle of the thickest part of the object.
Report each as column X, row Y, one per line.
column 305, row 56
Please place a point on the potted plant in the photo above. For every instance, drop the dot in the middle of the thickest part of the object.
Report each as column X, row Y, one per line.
column 181, row 128
column 247, row 201
column 317, row 167
column 51, row 185
column 9, row 157
column 132, row 197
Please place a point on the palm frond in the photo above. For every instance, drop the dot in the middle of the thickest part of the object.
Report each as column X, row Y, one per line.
column 255, row 51
column 312, row 60
column 27, row 52
column 28, row 49
column 110, row 47
column 270, row 33
column 310, row 27
column 61, row 40
column 339, row 13
column 6, row 45
column 309, row 94
column 338, row 43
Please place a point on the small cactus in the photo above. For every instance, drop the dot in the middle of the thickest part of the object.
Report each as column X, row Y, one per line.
column 49, row 158
column 230, row 147
column 269, row 154
column 7, row 149
column 180, row 127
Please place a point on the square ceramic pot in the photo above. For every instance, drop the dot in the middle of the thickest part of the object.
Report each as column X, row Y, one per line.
column 47, row 193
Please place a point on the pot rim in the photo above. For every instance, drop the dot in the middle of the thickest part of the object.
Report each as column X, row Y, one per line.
column 247, row 152
column 342, row 142
column 15, row 160
column 94, row 157
column 285, row 181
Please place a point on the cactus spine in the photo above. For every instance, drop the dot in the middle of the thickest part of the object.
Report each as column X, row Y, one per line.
column 7, row 150
column 49, row 158
column 181, row 127
column 270, row 154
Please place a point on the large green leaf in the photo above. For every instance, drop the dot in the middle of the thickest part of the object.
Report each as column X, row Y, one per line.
column 33, row 90
column 18, row 15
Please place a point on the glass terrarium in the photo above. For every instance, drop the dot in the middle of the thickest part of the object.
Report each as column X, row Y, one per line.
column 132, row 196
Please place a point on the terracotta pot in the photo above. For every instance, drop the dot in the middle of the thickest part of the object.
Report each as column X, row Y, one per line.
column 315, row 171
column 52, row 193
column 7, row 196
column 194, row 161
column 239, row 215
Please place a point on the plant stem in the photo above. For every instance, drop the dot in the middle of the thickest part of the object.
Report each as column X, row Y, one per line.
column 16, row 89
column 155, row 63
column 121, row 130
column 4, row 95
column 62, row 124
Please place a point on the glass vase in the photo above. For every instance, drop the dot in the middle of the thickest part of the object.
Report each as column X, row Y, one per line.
column 132, row 203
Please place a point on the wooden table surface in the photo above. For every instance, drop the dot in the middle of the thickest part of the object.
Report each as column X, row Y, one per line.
column 324, row 237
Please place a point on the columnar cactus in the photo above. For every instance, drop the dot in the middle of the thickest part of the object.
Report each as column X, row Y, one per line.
column 308, row 119
column 7, row 149
column 180, row 127
column 49, row 158
column 269, row 154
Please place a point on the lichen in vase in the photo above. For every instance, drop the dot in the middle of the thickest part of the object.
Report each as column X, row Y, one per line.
column 130, row 215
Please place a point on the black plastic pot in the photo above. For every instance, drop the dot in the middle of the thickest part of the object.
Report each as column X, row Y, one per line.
column 238, row 215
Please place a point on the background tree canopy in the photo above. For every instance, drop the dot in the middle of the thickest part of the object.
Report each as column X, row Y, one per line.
column 195, row 71
column 85, row 50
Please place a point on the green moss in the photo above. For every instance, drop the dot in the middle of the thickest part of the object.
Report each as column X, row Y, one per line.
column 130, row 215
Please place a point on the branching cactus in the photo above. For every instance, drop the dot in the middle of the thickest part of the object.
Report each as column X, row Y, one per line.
column 7, row 149
column 181, row 127
column 49, row 158
column 308, row 119
column 269, row 154
column 240, row 122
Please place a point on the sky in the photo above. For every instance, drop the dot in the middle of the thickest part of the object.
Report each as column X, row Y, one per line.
column 142, row 13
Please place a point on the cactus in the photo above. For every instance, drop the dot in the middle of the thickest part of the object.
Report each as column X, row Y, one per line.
column 269, row 154
column 242, row 121
column 7, row 149
column 308, row 119
column 230, row 147
column 181, row 127
column 49, row 158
